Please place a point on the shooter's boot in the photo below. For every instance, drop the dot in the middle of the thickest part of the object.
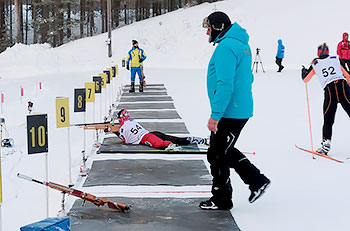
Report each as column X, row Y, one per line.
column 326, row 146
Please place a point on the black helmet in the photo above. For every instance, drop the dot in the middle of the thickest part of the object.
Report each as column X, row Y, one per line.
column 134, row 42
column 217, row 22
column 322, row 49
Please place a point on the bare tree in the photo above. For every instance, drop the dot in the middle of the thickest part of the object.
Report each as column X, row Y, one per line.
column 69, row 22
column 26, row 23
column 2, row 27
column 17, row 21
column 34, row 18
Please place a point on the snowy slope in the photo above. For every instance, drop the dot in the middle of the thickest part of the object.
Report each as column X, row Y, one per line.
column 305, row 194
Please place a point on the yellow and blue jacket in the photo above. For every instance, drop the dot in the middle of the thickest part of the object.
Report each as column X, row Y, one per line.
column 134, row 55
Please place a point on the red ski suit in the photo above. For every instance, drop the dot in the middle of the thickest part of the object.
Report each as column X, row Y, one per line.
column 343, row 49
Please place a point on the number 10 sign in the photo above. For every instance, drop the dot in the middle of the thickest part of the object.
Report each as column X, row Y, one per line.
column 37, row 133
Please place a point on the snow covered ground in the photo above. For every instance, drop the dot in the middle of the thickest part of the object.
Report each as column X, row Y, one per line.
column 305, row 194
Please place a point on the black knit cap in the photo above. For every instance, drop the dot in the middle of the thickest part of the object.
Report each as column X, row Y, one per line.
column 219, row 20
column 134, row 42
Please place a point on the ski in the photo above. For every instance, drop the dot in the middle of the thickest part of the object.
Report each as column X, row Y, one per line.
column 319, row 154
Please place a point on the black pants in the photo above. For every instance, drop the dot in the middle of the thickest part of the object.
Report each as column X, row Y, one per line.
column 279, row 63
column 222, row 155
column 345, row 62
column 334, row 93
column 173, row 139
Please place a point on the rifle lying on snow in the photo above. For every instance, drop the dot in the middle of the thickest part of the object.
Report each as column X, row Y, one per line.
column 98, row 201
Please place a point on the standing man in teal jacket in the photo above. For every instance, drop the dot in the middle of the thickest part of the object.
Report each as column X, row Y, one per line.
column 229, row 85
column 280, row 55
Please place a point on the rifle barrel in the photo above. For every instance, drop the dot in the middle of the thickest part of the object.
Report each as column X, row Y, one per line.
column 107, row 122
column 19, row 175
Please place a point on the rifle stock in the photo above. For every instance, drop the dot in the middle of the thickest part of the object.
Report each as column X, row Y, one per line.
column 98, row 201
column 106, row 127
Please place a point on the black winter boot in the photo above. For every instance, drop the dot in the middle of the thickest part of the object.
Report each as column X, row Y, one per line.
column 132, row 87
column 141, row 86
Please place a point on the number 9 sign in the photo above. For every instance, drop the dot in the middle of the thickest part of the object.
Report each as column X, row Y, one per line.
column 62, row 112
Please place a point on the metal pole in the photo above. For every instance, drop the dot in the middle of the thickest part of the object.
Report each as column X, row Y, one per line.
column 84, row 131
column 0, row 180
column 101, row 107
column 69, row 158
column 47, row 189
column 109, row 27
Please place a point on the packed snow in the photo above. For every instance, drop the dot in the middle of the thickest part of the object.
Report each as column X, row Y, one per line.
column 305, row 194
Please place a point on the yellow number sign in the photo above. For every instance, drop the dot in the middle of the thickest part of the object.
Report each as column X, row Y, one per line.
column 62, row 112
column 116, row 70
column 104, row 80
column 90, row 92
column 111, row 72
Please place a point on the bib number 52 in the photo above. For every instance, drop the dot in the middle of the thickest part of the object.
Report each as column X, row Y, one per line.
column 328, row 71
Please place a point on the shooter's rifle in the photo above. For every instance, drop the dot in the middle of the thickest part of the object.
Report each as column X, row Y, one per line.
column 81, row 125
column 106, row 126
column 98, row 201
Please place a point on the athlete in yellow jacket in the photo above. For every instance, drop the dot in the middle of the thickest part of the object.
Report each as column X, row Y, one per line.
column 134, row 60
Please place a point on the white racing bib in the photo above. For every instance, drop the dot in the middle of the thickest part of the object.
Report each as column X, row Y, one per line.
column 132, row 132
column 328, row 70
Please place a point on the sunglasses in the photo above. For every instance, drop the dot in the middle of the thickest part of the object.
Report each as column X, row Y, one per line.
column 206, row 24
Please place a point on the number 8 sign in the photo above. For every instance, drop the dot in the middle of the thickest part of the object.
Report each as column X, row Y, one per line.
column 37, row 133
column 62, row 112
column 79, row 100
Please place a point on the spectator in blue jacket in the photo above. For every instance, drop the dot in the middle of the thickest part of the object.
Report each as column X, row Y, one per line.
column 229, row 86
column 134, row 60
column 280, row 55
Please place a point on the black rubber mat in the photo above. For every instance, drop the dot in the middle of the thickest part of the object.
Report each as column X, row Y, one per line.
column 147, row 98
column 148, row 172
column 145, row 93
column 149, row 85
column 115, row 145
column 163, row 114
column 166, row 127
column 146, row 106
column 126, row 89
column 153, row 214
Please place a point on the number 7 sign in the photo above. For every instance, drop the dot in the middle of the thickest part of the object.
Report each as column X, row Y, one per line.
column 90, row 92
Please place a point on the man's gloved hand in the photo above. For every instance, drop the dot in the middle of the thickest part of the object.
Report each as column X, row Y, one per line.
column 127, row 67
column 304, row 72
column 141, row 60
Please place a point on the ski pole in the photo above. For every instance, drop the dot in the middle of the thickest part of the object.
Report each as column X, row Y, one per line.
column 309, row 116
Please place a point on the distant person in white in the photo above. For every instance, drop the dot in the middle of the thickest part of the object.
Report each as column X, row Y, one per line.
column 335, row 81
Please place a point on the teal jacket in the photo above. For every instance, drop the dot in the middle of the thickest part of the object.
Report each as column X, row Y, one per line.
column 229, row 78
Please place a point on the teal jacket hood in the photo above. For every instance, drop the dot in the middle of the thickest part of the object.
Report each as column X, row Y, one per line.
column 235, row 31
